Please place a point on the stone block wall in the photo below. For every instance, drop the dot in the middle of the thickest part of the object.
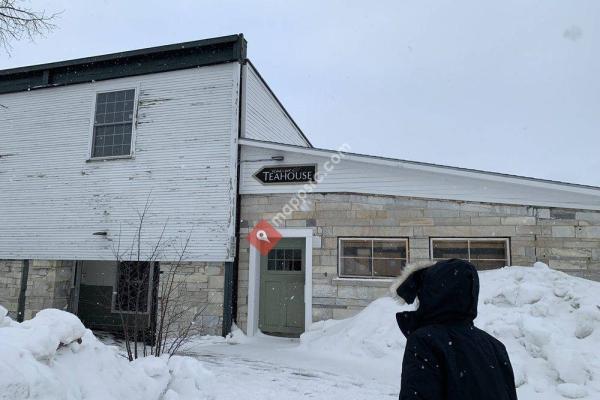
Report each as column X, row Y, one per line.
column 49, row 285
column 198, row 288
column 10, row 284
column 198, row 294
column 567, row 240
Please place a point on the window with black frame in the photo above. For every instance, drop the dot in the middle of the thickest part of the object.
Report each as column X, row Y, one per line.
column 133, row 287
column 113, row 123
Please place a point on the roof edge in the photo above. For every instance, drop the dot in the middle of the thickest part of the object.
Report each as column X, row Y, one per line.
column 397, row 161
column 149, row 60
column 285, row 111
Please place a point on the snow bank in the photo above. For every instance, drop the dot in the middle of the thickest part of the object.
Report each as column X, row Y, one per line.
column 53, row 356
column 548, row 320
column 371, row 334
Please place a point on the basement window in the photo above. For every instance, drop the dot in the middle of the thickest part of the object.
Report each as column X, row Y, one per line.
column 484, row 253
column 113, row 124
column 133, row 287
column 371, row 258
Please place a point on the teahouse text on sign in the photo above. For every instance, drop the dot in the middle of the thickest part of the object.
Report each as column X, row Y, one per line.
column 287, row 174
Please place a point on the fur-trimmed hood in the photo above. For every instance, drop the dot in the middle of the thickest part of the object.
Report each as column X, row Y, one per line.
column 447, row 291
column 407, row 271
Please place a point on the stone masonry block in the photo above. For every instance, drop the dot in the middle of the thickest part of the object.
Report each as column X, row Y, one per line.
column 316, row 242
column 566, row 265
column 441, row 213
column 412, row 221
column 454, row 221
column 518, row 220
column 543, row 213
column 329, row 243
column 324, row 291
column 570, row 253
column 324, row 206
column 341, row 313
column 367, row 206
column 419, row 254
column 419, row 243
column 323, row 302
column 214, row 270
column 559, row 213
column 215, row 297
column 216, row 282
column 443, row 205
column 589, row 232
column 528, row 229
column 372, row 231
column 405, row 213
column 293, row 223
column 322, row 314
column 353, row 302
column 365, row 214
column 563, row 231
column 341, row 222
column 592, row 217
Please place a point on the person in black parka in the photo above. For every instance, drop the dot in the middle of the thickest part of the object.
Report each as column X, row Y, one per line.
column 446, row 356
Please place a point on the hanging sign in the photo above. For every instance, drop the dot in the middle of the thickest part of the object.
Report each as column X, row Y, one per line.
column 287, row 174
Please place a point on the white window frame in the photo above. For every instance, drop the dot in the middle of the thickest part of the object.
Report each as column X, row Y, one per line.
column 372, row 239
column 472, row 239
column 131, row 154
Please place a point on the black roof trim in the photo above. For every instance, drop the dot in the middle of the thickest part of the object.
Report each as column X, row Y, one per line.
column 129, row 63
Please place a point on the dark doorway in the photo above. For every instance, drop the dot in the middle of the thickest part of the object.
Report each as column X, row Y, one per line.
column 114, row 295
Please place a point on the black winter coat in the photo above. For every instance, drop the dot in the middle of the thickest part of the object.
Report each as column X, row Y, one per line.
column 446, row 356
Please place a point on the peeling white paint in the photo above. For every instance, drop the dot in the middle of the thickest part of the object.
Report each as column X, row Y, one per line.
column 52, row 200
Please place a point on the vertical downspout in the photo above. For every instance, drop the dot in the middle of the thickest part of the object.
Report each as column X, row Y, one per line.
column 22, row 292
column 230, row 299
column 238, row 202
column 75, row 290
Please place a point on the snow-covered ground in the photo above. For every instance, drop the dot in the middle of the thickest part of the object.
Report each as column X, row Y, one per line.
column 54, row 357
column 549, row 322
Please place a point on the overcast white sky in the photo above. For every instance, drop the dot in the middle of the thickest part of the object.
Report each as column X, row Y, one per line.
column 510, row 86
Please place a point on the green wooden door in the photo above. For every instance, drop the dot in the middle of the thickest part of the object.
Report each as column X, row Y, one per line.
column 282, row 288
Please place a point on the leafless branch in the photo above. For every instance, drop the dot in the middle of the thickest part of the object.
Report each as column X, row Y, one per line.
column 176, row 313
column 20, row 22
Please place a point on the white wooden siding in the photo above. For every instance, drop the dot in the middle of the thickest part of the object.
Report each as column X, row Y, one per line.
column 436, row 183
column 264, row 118
column 52, row 200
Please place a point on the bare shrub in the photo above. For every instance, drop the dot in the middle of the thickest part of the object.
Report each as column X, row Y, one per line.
column 136, row 303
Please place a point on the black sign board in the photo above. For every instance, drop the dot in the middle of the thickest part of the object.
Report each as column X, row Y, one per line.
column 287, row 174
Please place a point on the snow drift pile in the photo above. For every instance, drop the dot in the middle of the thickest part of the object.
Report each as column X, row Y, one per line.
column 549, row 322
column 54, row 357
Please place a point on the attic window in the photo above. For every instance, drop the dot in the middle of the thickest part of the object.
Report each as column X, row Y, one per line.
column 113, row 124
column 484, row 253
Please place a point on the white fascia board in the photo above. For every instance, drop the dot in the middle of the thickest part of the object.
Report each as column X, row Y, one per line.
column 490, row 176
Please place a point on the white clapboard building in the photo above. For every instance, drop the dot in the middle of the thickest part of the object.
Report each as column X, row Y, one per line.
column 173, row 155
